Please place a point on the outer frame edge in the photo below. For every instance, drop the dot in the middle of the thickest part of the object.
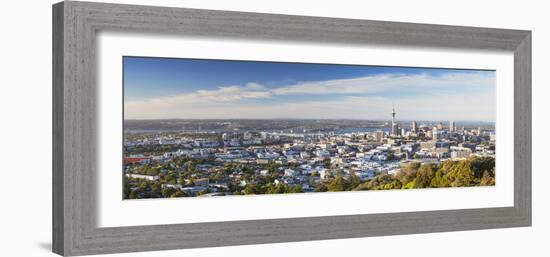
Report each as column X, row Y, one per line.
column 72, row 235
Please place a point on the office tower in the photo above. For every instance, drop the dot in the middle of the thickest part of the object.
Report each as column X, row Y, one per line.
column 452, row 126
column 434, row 134
column 379, row 135
column 414, row 127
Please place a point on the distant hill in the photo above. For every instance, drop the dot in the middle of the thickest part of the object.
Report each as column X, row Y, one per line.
column 297, row 125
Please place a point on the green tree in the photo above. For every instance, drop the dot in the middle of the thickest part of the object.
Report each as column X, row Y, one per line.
column 409, row 185
column 338, row 184
column 462, row 174
column 275, row 189
column 439, row 180
column 228, row 168
column 379, row 182
column 251, row 189
column 126, row 188
column 273, row 168
column 424, row 176
column 133, row 194
column 446, row 166
column 354, row 180
column 169, row 191
column 326, row 163
column 191, row 166
column 156, row 190
column 407, row 173
column 217, row 176
column 296, row 189
column 178, row 193
column 202, row 192
column 396, row 184
column 321, row 188
column 480, row 165
column 181, row 180
column 152, row 171
column 248, row 169
column 170, row 178
column 487, row 179
column 274, row 176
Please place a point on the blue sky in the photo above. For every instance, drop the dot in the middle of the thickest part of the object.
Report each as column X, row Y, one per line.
column 157, row 88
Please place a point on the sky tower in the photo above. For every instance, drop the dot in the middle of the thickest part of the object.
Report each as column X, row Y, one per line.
column 394, row 127
column 392, row 115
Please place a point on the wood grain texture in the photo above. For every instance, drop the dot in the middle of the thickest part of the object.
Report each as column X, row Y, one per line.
column 74, row 121
column 522, row 128
column 58, row 230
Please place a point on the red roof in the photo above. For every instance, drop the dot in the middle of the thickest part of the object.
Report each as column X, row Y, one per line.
column 135, row 159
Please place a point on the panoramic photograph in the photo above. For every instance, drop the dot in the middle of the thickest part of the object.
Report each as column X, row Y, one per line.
column 204, row 128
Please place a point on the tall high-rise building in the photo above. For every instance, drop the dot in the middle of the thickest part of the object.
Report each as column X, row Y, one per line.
column 379, row 134
column 440, row 126
column 414, row 127
column 452, row 126
column 434, row 134
column 394, row 127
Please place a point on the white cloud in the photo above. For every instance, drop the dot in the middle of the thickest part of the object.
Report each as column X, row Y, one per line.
column 219, row 95
column 254, row 86
column 231, row 101
column 388, row 82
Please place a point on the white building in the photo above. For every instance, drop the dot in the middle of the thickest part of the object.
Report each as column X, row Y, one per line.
column 460, row 152
column 434, row 134
column 290, row 173
column 201, row 182
column 323, row 153
column 146, row 177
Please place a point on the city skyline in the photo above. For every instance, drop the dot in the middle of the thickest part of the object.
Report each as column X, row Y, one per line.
column 162, row 88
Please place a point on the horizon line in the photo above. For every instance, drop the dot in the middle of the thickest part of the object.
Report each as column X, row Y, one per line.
column 351, row 119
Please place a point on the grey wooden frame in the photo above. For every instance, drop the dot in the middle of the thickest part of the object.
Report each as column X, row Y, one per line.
column 74, row 128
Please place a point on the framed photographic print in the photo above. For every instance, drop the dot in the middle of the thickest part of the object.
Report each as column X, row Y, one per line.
column 247, row 128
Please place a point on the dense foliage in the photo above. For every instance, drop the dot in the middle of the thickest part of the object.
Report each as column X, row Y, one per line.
column 477, row 171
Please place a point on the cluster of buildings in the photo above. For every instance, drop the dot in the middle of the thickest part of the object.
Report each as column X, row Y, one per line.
column 309, row 158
